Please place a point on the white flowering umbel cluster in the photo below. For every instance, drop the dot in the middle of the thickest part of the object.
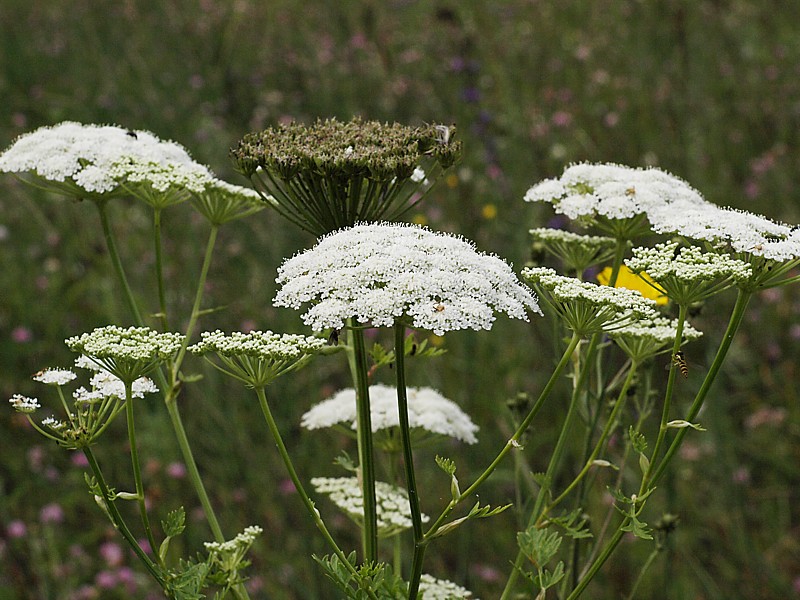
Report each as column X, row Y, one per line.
column 383, row 272
column 92, row 410
column 688, row 274
column 258, row 357
column 92, row 160
column 394, row 512
column 127, row 353
column 428, row 412
column 431, row 588
column 586, row 307
column 609, row 194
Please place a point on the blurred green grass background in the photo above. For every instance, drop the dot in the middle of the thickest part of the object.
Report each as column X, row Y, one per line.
column 708, row 90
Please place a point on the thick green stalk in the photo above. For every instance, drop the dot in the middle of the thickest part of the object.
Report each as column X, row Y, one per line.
column 408, row 460
column 358, row 368
column 117, row 519
column 117, row 263
column 307, row 502
column 513, row 442
column 137, row 470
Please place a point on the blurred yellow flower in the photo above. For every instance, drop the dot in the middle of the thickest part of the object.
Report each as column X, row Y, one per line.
column 451, row 180
column 419, row 219
column 630, row 280
column 489, row 211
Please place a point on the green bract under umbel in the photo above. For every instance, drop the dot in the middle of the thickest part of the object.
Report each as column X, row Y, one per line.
column 333, row 174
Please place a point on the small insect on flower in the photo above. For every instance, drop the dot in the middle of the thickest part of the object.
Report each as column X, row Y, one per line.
column 679, row 360
column 132, row 134
column 631, row 191
column 443, row 132
column 438, row 308
column 333, row 338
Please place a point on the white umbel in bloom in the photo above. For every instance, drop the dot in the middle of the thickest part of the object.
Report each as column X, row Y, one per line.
column 54, row 376
column 431, row 588
column 587, row 190
column 381, row 272
column 96, row 159
column 24, row 404
column 393, row 508
column 428, row 410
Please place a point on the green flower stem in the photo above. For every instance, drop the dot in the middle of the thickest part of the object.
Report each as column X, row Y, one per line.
column 117, row 263
column 513, row 442
column 357, row 357
column 616, row 265
column 408, row 459
column 162, row 298
column 555, row 459
column 171, row 396
column 307, row 502
column 170, row 389
column 116, row 518
column 137, row 470
column 673, row 372
column 645, row 567
column 609, row 426
column 598, row 563
column 737, row 314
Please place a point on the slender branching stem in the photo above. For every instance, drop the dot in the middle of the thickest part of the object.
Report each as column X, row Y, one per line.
column 119, row 523
column 162, row 296
column 136, row 465
column 673, row 371
column 513, row 442
column 307, row 502
column 117, row 262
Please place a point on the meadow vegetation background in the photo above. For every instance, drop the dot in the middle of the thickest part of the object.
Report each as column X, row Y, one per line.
column 707, row 90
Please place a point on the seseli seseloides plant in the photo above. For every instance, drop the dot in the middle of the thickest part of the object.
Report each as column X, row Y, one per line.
column 617, row 290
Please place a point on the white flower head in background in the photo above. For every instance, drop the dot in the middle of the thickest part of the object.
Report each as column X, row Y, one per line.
column 431, row 588
column 383, row 272
column 428, row 413
column 394, row 510
column 607, row 193
column 95, row 160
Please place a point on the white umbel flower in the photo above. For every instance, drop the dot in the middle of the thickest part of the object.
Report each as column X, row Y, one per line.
column 381, row 272
column 648, row 337
column 393, row 508
column 431, row 588
column 97, row 159
column 54, row 376
column 587, row 190
column 24, row 404
column 428, row 410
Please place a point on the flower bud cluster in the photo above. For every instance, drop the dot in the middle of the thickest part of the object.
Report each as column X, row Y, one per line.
column 587, row 307
column 431, row 588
